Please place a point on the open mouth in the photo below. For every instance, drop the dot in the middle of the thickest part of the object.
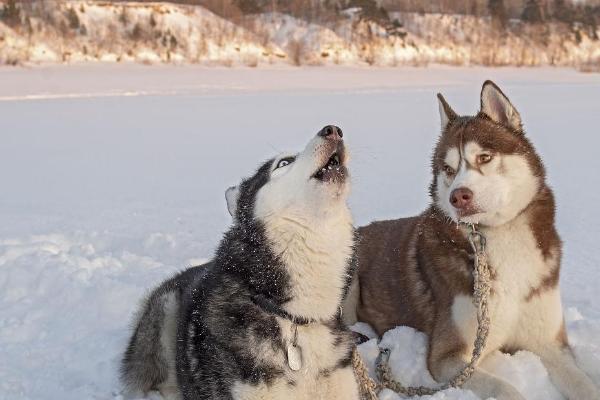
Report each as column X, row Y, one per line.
column 334, row 169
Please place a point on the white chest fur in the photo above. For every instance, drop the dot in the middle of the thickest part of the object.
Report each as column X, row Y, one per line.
column 316, row 258
column 519, row 267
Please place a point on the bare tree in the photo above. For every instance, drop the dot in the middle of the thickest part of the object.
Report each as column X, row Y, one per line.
column 533, row 12
column 498, row 13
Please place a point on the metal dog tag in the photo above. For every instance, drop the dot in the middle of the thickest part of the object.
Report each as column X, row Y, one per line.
column 294, row 352
column 294, row 356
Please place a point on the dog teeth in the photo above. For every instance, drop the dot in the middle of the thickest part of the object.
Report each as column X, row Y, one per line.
column 333, row 164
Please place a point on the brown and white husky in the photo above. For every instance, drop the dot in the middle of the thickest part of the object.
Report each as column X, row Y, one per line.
column 418, row 271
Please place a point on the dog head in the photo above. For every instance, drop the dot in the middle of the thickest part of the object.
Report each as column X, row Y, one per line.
column 484, row 168
column 308, row 187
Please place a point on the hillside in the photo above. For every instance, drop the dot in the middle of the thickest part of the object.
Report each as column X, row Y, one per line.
column 83, row 31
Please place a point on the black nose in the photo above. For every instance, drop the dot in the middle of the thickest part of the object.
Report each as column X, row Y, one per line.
column 331, row 130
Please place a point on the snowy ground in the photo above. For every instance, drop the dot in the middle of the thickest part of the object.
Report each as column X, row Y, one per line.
column 112, row 178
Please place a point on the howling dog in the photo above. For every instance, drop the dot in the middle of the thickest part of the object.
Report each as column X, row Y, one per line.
column 261, row 320
column 418, row 271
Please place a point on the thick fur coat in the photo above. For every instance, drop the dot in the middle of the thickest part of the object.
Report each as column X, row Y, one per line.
column 277, row 280
column 419, row 271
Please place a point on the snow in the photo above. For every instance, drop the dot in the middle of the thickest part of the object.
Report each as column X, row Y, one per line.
column 408, row 363
column 113, row 177
column 150, row 32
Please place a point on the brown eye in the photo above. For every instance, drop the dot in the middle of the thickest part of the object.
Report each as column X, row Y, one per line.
column 449, row 170
column 484, row 158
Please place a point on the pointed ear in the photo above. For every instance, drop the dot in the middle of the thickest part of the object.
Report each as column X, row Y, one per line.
column 496, row 105
column 231, row 196
column 447, row 114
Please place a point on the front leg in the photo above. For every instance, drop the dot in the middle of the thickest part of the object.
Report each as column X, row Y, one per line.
column 569, row 379
column 449, row 354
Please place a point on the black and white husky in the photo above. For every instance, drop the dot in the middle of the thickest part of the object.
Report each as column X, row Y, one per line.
column 261, row 320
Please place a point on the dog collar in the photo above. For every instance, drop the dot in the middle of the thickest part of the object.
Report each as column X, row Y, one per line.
column 272, row 308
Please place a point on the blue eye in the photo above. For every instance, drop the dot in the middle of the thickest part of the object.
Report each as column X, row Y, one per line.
column 285, row 161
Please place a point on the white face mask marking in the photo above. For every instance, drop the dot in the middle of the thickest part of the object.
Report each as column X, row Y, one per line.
column 452, row 158
column 501, row 187
column 294, row 193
